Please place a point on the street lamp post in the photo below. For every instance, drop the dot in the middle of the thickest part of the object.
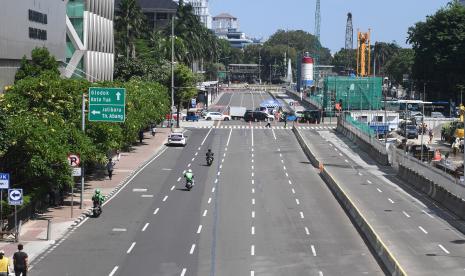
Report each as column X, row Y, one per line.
column 172, row 71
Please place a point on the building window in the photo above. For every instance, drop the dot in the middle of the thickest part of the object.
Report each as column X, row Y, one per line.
column 38, row 17
column 37, row 34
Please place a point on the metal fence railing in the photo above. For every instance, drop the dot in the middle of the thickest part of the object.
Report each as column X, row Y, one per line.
column 362, row 131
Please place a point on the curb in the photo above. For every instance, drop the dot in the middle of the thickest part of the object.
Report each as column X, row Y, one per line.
column 375, row 243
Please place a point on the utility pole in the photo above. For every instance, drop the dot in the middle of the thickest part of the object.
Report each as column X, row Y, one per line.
column 172, row 71
column 259, row 66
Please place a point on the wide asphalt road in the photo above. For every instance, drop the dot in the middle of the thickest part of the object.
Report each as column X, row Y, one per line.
column 260, row 209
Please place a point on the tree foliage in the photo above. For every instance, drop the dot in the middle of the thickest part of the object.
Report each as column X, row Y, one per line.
column 439, row 45
column 400, row 64
column 40, row 61
column 129, row 26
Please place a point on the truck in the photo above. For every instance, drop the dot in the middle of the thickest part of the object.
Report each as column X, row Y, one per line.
column 237, row 112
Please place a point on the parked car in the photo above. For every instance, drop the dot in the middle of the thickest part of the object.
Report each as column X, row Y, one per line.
column 409, row 131
column 255, row 116
column 428, row 153
column 192, row 116
column 436, row 114
column 216, row 116
column 176, row 138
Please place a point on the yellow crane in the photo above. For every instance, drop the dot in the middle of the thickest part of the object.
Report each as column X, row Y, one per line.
column 363, row 53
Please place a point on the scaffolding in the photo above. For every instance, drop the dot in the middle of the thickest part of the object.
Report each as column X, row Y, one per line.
column 353, row 93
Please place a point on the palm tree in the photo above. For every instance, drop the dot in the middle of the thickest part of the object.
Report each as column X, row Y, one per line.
column 129, row 25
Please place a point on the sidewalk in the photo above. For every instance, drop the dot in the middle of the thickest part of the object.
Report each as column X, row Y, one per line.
column 34, row 232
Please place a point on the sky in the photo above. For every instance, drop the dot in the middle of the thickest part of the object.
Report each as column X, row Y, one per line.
column 389, row 20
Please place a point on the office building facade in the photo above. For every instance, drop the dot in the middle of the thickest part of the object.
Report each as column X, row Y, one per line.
column 25, row 25
column 157, row 12
column 90, row 39
column 222, row 23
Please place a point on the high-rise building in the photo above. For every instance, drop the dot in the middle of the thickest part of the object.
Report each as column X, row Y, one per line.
column 90, row 39
column 224, row 22
column 201, row 10
column 25, row 25
column 158, row 12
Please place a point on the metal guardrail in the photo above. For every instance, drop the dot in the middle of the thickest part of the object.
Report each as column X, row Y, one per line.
column 362, row 134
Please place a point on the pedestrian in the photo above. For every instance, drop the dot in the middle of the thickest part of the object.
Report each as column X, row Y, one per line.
column 141, row 136
column 118, row 155
column 20, row 262
column 4, row 264
column 431, row 135
column 153, row 129
column 110, row 167
column 285, row 120
column 268, row 124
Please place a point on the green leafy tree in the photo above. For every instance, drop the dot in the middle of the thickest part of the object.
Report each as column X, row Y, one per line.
column 41, row 61
column 129, row 26
column 382, row 52
column 400, row 64
column 345, row 59
column 439, row 45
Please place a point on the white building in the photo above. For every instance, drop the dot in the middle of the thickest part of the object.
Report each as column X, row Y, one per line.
column 201, row 9
column 90, row 39
column 223, row 22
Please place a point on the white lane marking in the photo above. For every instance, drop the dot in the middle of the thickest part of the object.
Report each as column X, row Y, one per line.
column 166, row 169
column 119, row 230
column 443, row 249
column 253, row 181
column 213, row 189
column 218, row 173
column 335, row 149
column 252, row 160
column 429, row 215
column 280, row 155
column 199, row 148
column 284, row 167
column 192, row 249
column 252, row 137
column 347, row 161
column 252, row 150
column 379, row 190
column 209, row 200
column 226, row 149
column 183, row 272
column 252, row 273
column 197, row 153
column 297, row 201
column 290, row 182
column 405, row 214
column 165, row 198
column 253, row 191
column 253, row 174
column 224, row 154
column 301, row 214
column 287, row 175
column 156, row 211
column 320, row 273
column 204, row 139
column 252, row 250
column 293, row 191
column 139, row 190
column 340, row 154
column 146, row 196
column 216, row 180
column 274, row 135
column 313, row 250
column 199, row 229
column 253, row 155
column 229, row 137
column 282, row 161
column 360, row 174
column 369, row 182
column 423, row 230
column 252, row 230
column 253, row 214
column 188, row 165
column 252, row 167
column 172, row 187
column 222, row 160
column 179, row 179
column 131, row 247
column 221, row 166
column 113, row 271
column 130, row 180
column 390, row 200
column 253, row 201
column 193, row 159
column 205, row 213
column 145, row 227
column 306, row 231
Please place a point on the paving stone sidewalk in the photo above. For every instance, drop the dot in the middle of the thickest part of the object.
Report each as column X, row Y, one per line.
column 34, row 232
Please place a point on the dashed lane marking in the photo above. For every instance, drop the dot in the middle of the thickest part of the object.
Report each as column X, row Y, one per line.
column 253, row 214
column 165, row 198
column 290, row 182
column 405, row 214
column 252, row 230
column 423, row 230
column 302, row 215
column 297, row 201
column 443, row 248
column 306, row 231
column 192, row 249
column 213, row 189
column 156, row 211
column 205, row 213
column 179, row 179
column 183, row 272
column 390, row 200
column 172, row 187
column 379, row 190
column 369, row 182
column 146, row 196
column 119, row 230
column 252, row 250
column 293, row 191
column 113, row 271
column 138, row 190
column 199, row 229
column 131, row 247
column 253, row 201
column 209, row 200
column 145, row 227
column 313, row 250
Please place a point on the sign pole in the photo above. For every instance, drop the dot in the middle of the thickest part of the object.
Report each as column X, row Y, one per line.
column 82, row 165
column 72, row 200
column 1, row 209
column 16, row 224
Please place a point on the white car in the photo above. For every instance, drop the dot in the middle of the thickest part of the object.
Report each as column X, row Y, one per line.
column 216, row 116
column 176, row 138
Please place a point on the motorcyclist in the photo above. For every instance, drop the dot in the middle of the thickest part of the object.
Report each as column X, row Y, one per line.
column 189, row 176
column 98, row 198
column 209, row 154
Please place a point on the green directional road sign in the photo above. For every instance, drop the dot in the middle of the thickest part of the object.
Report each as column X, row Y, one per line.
column 107, row 104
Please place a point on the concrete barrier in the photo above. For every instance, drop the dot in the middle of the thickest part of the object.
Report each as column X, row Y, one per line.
column 374, row 241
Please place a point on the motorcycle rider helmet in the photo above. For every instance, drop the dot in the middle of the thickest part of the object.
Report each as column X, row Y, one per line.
column 189, row 170
column 209, row 150
column 97, row 191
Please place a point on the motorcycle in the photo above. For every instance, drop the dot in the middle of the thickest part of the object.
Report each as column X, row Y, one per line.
column 189, row 184
column 209, row 160
column 97, row 209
